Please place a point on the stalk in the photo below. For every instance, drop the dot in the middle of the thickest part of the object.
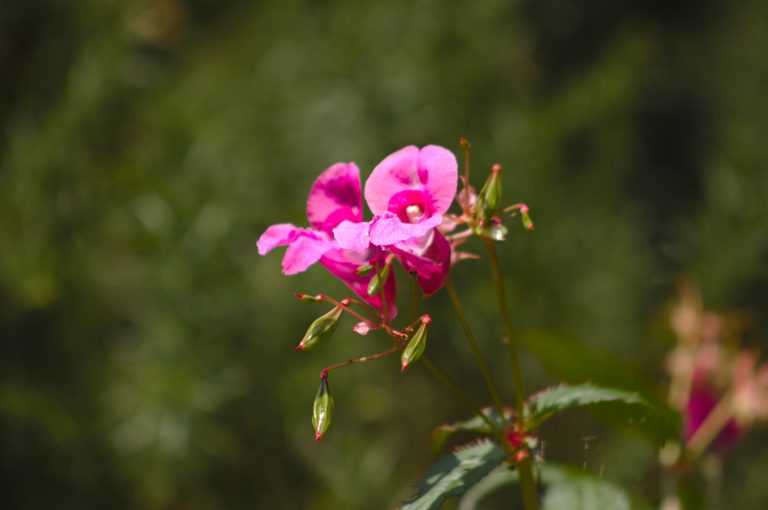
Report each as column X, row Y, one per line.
column 527, row 483
column 468, row 401
column 474, row 347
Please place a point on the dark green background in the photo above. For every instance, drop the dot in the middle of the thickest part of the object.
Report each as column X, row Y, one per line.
column 147, row 350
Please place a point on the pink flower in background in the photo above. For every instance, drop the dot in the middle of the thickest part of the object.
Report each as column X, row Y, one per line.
column 335, row 197
column 408, row 193
column 701, row 402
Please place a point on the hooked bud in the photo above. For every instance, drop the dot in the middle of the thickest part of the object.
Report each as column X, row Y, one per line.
column 374, row 286
column 527, row 223
column 307, row 298
column 416, row 344
column 364, row 269
column 489, row 198
column 322, row 408
column 321, row 329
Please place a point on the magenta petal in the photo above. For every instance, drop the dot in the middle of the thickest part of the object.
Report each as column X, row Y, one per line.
column 442, row 167
column 353, row 236
column 335, row 196
column 397, row 172
column 701, row 402
column 433, row 170
column 304, row 250
column 431, row 265
column 276, row 235
column 389, row 229
column 343, row 265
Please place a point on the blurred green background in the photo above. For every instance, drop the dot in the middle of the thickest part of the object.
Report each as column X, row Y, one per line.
column 147, row 350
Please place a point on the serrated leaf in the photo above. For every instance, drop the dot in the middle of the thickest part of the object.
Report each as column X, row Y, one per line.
column 584, row 493
column 499, row 477
column 568, row 489
column 574, row 361
column 475, row 424
column 453, row 474
column 553, row 400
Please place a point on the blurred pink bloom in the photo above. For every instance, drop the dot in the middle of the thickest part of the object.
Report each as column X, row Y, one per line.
column 335, row 197
column 701, row 402
column 408, row 193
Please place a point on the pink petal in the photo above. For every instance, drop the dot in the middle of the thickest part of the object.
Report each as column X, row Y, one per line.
column 276, row 235
column 431, row 267
column 304, row 250
column 335, row 196
column 353, row 236
column 343, row 265
column 432, row 170
column 443, row 176
column 389, row 229
column 397, row 172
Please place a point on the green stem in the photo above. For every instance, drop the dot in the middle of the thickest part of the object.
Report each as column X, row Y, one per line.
column 527, row 483
column 501, row 298
column 474, row 347
column 383, row 294
column 468, row 401
column 362, row 359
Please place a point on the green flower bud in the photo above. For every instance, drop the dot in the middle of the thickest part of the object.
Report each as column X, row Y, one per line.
column 489, row 198
column 364, row 270
column 416, row 345
column 374, row 286
column 493, row 231
column 320, row 330
column 527, row 223
column 322, row 408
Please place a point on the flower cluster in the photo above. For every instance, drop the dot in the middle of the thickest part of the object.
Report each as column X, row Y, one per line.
column 720, row 392
column 409, row 193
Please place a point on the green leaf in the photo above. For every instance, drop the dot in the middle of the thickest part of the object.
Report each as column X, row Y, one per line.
column 573, row 361
column 568, row 488
column 475, row 424
column 553, row 400
column 496, row 479
column 584, row 493
column 453, row 474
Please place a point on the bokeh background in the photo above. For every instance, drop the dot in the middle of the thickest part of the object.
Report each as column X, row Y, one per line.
column 147, row 350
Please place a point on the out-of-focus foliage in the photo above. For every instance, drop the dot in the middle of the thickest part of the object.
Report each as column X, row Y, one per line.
column 147, row 351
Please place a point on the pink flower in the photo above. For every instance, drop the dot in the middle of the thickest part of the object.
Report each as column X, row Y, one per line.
column 335, row 197
column 408, row 193
column 701, row 402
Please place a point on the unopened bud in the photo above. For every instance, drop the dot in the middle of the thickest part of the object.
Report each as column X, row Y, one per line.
column 494, row 231
column 306, row 298
column 374, row 286
column 362, row 328
column 464, row 143
column 527, row 223
column 322, row 408
column 364, row 270
column 320, row 330
column 489, row 198
column 416, row 345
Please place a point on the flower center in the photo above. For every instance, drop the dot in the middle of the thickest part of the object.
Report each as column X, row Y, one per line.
column 414, row 212
column 410, row 205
